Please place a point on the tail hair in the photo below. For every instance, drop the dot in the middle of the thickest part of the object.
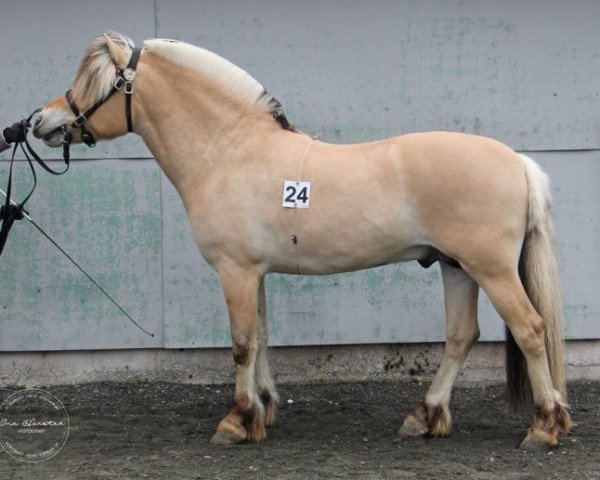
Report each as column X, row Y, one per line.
column 539, row 272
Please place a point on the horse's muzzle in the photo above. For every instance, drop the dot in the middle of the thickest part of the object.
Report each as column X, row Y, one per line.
column 49, row 129
column 53, row 138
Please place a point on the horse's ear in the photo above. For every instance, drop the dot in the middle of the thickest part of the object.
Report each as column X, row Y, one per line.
column 118, row 55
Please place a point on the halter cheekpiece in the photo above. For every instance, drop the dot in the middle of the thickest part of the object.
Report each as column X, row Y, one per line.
column 124, row 81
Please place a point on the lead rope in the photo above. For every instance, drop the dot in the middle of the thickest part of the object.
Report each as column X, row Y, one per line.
column 89, row 277
column 11, row 211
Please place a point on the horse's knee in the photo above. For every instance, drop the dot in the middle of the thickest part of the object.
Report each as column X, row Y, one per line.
column 463, row 338
column 459, row 342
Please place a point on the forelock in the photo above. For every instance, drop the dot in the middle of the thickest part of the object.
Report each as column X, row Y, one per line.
column 96, row 73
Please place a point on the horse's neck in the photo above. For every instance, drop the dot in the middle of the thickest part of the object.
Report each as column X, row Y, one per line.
column 189, row 122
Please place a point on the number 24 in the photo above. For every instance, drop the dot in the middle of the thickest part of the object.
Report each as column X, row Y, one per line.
column 294, row 195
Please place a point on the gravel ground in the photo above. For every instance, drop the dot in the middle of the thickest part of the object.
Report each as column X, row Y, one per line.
column 346, row 430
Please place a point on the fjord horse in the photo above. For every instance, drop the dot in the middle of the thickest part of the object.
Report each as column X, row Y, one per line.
column 469, row 202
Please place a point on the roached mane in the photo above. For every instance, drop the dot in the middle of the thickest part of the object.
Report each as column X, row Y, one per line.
column 96, row 74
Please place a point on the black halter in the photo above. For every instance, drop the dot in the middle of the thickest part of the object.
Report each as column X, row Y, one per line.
column 125, row 78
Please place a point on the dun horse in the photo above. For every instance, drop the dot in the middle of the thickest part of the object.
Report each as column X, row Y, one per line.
column 469, row 202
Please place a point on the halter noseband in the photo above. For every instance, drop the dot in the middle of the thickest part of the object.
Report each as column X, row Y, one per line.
column 125, row 78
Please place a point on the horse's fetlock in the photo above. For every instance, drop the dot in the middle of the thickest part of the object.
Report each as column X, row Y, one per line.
column 551, row 419
column 265, row 397
column 250, row 415
column 256, row 426
column 563, row 419
column 242, row 402
column 438, row 420
column 270, row 402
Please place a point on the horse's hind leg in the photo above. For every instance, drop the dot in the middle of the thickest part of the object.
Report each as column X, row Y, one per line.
column 551, row 419
column 432, row 417
column 246, row 419
column 264, row 380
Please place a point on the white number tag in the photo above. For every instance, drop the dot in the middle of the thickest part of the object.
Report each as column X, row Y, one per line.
column 296, row 194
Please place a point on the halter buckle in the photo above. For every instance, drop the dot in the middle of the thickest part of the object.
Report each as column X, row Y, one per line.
column 129, row 74
column 88, row 139
column 119, row 82
column 80, row 120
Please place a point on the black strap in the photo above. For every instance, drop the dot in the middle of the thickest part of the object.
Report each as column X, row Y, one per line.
column 80, row 120
column 132, row 65
column 72, row 104
column 9, row 215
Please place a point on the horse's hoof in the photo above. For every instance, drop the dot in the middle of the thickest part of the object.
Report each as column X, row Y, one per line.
column 411, row 430
column 223, row 438
column 532, row 444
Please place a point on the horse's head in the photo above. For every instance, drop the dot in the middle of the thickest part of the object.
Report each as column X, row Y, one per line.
column 102, row 72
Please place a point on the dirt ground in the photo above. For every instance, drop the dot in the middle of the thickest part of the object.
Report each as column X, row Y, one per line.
column 348, row 430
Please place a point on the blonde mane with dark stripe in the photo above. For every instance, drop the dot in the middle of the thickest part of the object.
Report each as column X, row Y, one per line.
column 96, row 74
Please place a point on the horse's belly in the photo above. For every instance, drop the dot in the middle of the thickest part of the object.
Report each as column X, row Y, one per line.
column 318, row 264
column 329, row 242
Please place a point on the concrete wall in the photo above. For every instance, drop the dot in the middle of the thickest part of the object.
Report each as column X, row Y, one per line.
column 525, row 72
column 328, row 363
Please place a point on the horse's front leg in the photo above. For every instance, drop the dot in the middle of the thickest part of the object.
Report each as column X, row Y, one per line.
column 246, row 419
column 264, row 380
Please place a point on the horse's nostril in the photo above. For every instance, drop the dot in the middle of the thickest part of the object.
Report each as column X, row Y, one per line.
column 37, row 124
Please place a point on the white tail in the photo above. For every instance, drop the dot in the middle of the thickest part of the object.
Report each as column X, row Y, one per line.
column 540, row 276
